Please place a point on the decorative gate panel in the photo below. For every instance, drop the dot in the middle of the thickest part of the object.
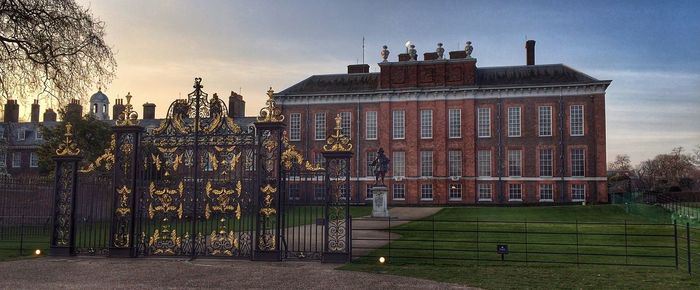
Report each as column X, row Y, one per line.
column 197, row 185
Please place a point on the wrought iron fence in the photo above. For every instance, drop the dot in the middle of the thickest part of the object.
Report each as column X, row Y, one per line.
column 490, row 242
column 25, row 215
column 684, row 207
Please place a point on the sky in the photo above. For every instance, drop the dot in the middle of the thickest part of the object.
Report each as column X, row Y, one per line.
column 649, row 49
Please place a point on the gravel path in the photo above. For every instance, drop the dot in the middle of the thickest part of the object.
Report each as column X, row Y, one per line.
column 154, row 273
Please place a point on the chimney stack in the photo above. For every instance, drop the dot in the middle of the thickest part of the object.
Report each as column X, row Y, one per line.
column 149, row 111
column 358, row 69
column 49, row 116
column 530, row 50
column 35, row 111
column 118, row 108
column 236, row 104
column 11, row 112
column 74, row 108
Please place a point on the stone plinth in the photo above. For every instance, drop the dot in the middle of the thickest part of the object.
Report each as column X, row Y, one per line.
column 379, row 205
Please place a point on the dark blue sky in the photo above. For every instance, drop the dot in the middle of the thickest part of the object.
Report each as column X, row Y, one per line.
column 650, row 49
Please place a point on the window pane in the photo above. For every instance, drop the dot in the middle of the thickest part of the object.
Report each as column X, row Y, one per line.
column 484, row 122
column 426, row 163
column 320, row 126
column 398, row 124
column 399, row 191
column 371, row 155
column 514, row 165
column 578, row 192
column 426, row 191
column 515, row 192
column 546, row 192
column 484, row 192
column 577, row 162
column 484, row 160
column 545, row 162
column 426, row 124
column 576, row 120
column 371, row 123
column 345, row 121
column 545, row 120
column 455, row 163
column 455, row 123
column 294, row 127
column 514, row 122
column 455, row 191
column 399, row 163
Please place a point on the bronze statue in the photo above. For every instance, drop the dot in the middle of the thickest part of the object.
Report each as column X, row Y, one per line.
column 381, row 166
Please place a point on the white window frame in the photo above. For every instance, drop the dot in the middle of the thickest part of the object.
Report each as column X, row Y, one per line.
column 295, row 127
column 3, row 159
column 513, row 195
column 484, row 163
column 33, row 160
column 369, row 194
column 294, row 191
column 21, row 134
column 515, row 164
column 576, row 119
column 398, row 191
column 320, row 126
column 346, row 123
column 426, row 163
column 426, row 124
column 514, row 124
column 16, row 159
column 484, row 192
column 574, row 165
column 578, row 188
column 425, row 190
column 398, row 121
column 454, row 123
column 455, row 191
column 543, row 187
column 38, row 135
column 371, row 132
column 454, row 162
column 399, row 163
column 483, row 117
column 544, row 119
column 549, row 165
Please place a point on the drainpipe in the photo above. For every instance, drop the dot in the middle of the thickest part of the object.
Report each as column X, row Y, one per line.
column 500, row 151
column 562, row 147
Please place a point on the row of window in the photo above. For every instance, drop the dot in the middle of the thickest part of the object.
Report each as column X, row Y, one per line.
column 454, row 122
column 485, row 192
column 24, row 134
column 484, row 163
column 17, row 159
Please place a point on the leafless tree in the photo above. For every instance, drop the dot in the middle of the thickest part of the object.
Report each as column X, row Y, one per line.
column 51, row 48
column 622, row 163
column 667, row 170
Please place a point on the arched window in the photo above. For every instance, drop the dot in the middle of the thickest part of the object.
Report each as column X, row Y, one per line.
column 94, row 108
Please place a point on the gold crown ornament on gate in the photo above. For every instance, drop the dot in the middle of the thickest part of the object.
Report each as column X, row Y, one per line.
column 270, row 113
column 337, row 142
column 68, row 147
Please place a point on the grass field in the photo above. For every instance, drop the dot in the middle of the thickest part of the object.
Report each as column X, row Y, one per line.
column 549, row 247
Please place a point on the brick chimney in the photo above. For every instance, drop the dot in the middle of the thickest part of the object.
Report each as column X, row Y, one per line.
column 35, row 112
column 530, row 51
column 149, row 111
column 49, row 116
column 118, row 108
column 11, row 112
column 236, row 104
column 358, row 69
column 74, row 108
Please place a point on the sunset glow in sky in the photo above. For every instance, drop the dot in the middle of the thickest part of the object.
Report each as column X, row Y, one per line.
column 650, row 49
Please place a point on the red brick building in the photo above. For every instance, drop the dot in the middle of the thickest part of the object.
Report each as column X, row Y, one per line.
column 459, row 133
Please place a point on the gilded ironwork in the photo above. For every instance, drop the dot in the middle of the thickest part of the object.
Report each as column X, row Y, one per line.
column 268, row 208
column 337, row 142
column 68, row 147
column 123, row 209
column 223, row 198
column 128, row 117
column 166, row 201
column 64, row 207
column 221, row 242
column 106, row 160
column 270, row 113
column 165, row 241
column 337, row 231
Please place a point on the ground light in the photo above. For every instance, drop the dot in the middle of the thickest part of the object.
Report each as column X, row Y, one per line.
column 382, row 260
column 37, row 252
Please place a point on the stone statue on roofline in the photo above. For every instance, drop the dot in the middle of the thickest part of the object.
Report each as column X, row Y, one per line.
column 381, row 166
column 440, row 51
column 385, row 53
column 468, row 49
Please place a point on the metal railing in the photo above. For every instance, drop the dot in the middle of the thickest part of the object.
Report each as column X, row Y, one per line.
column 489, row 242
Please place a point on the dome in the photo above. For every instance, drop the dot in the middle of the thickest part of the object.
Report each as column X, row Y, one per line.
column 99, row 97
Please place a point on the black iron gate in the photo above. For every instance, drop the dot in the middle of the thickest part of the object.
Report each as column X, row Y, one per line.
column 203, row 185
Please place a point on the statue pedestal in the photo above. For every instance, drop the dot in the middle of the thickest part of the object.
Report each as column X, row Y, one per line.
column 379, row 206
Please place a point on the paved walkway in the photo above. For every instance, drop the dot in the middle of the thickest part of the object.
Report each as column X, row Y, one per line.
column 154, row 273
column 369, row 234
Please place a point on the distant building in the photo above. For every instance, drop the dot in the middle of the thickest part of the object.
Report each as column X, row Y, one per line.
column 19, row 141
column 461, row 134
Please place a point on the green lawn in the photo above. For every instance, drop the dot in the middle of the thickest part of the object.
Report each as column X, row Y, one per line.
column 457, row 243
